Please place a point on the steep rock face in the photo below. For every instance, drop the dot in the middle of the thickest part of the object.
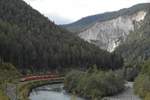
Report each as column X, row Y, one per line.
column 136, row 49
column 109, row 34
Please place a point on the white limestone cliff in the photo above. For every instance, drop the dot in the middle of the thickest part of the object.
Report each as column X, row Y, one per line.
column 109, row 34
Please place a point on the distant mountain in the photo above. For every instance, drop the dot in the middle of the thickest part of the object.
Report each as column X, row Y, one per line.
column 30, row 41
column 109, row 30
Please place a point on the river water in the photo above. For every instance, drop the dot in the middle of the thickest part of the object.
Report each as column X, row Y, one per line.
column 51, row 92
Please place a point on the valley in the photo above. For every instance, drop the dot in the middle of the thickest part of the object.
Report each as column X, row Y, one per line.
column 103, row 56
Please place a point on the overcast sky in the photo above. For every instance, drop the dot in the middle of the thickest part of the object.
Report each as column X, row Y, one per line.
column 67, row 11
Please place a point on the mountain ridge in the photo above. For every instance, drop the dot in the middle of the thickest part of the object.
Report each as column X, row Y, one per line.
column 108, row 30
column 102, row 17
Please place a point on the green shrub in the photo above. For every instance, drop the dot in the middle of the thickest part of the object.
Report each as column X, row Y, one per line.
column 131, row 73
column 147, row 97
column 142, row 82
column 94, row 84
column 3, row 96
column 142, row 85
column 8, row 74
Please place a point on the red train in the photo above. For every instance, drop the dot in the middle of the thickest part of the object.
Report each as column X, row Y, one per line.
column 40, row 77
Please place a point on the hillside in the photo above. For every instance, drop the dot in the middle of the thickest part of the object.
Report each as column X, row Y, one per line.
column 109, row 30
column 30, row 41
column 136, row 48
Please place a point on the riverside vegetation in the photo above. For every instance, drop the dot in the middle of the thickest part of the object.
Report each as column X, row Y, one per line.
column 142, row 82
column 94, row 84
column 8, row 74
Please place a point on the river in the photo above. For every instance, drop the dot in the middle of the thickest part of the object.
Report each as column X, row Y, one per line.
column 52, row 92
column 56, row 92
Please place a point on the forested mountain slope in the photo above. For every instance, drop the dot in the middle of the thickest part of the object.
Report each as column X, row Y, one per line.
column 136, row 48
column 30, row 41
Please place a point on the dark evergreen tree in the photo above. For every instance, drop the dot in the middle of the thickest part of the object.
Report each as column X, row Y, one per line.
column 30, row 41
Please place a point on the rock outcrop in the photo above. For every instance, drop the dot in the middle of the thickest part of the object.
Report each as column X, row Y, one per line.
column 109, row 34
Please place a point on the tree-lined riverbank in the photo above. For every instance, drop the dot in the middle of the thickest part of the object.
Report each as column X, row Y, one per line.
column 25, row 88
column 94, row 84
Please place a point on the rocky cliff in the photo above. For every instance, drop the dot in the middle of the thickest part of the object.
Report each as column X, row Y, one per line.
column 109, row 30
column 109, row 34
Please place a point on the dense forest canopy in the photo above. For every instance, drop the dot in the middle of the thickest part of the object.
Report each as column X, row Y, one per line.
column 30, row 41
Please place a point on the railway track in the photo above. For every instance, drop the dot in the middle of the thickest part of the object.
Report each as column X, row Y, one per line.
column 41, row 77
